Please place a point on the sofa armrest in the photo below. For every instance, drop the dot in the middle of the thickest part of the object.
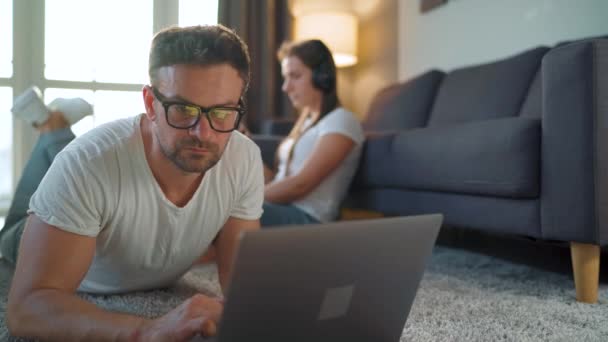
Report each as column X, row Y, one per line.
column 574, row 180
column 268, row 145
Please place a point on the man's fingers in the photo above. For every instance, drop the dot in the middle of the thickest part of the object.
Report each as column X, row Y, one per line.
column 199, row 325
column 202, row 305
column 217, row 314
column 190, row 328
column 209, row 328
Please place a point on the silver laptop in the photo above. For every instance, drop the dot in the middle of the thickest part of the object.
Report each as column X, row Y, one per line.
column 346, row 281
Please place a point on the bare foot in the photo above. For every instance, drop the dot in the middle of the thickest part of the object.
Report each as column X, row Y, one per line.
column 55, row 122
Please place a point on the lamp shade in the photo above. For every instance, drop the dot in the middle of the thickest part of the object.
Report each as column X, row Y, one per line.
column 336, row 29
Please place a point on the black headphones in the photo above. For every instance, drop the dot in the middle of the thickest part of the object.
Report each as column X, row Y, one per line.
column 322, row 76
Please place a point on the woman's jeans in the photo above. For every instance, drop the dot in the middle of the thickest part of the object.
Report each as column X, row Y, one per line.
column 280, row 215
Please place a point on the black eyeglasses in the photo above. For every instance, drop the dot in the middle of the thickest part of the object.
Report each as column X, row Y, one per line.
column 182, row 115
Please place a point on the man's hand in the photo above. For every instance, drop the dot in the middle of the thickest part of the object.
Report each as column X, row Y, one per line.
column 197, row 315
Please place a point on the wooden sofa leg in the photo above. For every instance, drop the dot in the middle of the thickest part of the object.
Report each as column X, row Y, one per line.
column 586, row 267
column 358, row 214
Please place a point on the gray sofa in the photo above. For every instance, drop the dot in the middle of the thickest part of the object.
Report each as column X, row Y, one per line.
column 516, row 146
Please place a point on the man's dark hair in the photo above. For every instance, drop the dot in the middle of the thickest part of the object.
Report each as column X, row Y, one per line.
column 199, row 45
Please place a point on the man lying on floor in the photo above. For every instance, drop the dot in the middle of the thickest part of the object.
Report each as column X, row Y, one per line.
column 133, row 204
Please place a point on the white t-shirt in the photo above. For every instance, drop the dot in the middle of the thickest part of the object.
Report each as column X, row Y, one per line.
column 101, row 185
column 323, row 203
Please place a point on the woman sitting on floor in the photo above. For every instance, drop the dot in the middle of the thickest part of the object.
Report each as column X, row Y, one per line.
column 317, row 161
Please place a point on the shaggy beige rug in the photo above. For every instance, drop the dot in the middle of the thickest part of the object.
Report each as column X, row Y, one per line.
column 464, row 296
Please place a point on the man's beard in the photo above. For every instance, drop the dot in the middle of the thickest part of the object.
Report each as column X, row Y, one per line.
column 191, row 162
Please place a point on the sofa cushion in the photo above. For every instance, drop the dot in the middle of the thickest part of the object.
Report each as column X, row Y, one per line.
column 268, row 145
column 497, row 157
column 493, row 90
column 494, row 214
column 276, row 126
column 404, row 105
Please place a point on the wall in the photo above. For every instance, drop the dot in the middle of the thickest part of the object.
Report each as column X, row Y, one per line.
column 377, row 53
column 465, row 32
column 376, row 50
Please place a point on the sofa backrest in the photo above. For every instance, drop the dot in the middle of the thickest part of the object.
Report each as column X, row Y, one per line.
column 532, row 107
column 487, row 91
column 566, row 42
column 403, row 105
column 533, row 104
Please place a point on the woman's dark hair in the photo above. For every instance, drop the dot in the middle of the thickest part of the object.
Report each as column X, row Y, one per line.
column 199, row 45
column 315, row 55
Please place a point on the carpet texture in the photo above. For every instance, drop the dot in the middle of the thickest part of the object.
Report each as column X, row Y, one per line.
column 464, row 296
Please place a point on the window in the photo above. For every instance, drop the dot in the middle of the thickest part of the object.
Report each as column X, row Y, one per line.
column 6, row 100
column 108, row 105
column 87, row 47
column 197, row 12
column 6, row 38
column 94, row 49
column 99, row 53
column 103, row 59
column 6, row 139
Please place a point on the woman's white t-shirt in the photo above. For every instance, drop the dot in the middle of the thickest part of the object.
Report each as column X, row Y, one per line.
column 323, row 203
column 101, row 186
